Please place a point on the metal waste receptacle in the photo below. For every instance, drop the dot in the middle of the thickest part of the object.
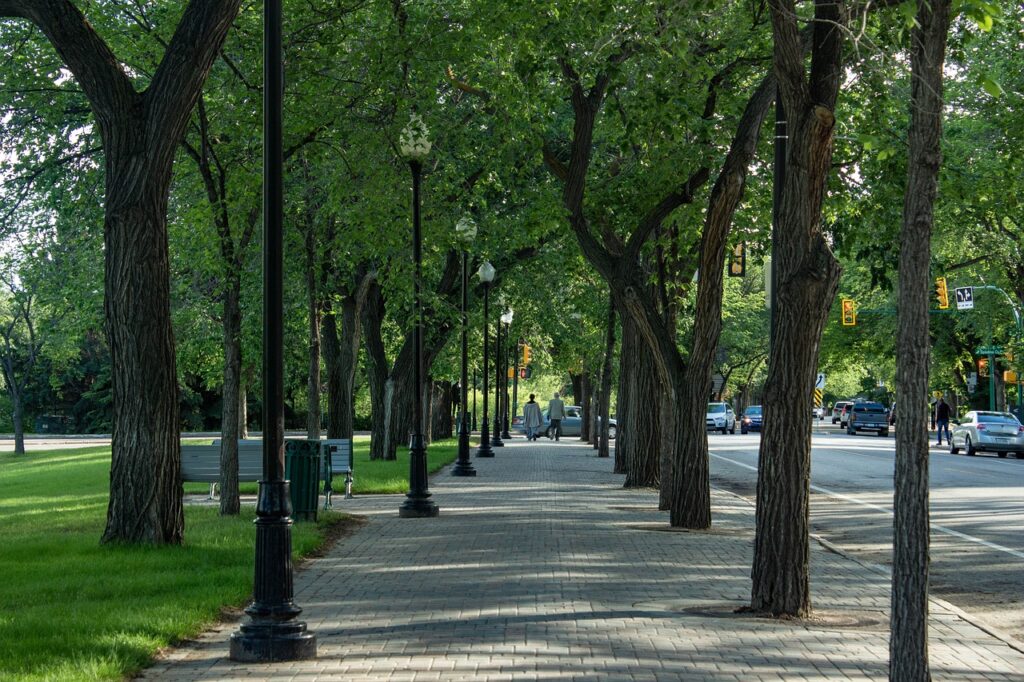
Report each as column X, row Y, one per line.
column 302, row 469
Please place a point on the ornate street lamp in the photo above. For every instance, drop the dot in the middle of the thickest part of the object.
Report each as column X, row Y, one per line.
column 273, row 633
column 486, row 275
column 415, row 146
column 465, row 230
column 506, row 319
column 496, row 441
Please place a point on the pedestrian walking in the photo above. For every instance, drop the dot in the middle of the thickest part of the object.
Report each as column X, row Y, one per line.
column 942, row 419
column 533, row 420
column 556, row 413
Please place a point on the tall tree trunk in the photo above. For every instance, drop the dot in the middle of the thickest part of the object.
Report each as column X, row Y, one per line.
column 145, row 478
column 908, row 644
column 313, row 310
column 669, row 432
column 604, row 406
column 342, row 357
column 18, row 417
column 586, row 385
column 243, row 401
column 441, row 409
column 377, row 375
column 231, row 397
column 643, row 417
column 624, row 448
column 808, row 276
column 577, row 388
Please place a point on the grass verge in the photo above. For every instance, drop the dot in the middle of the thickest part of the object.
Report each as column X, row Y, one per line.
column 71, row 609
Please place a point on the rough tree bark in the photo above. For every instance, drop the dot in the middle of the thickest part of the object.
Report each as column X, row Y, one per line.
column 587, row 388
column 605, row 393
column 623, row 407
column 908, row 644
column 640, row 423
column 140, row 132
column 313, row 311
column 18, row 359
column 808, row 275
column 691, row 466
column 230, row 397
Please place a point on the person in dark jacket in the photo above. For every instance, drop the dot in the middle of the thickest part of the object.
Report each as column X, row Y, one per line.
column 942, row 419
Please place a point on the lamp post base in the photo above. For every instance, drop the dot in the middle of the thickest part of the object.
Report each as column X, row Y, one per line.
column 418, row 508
column 463, row 467
column 270, row 641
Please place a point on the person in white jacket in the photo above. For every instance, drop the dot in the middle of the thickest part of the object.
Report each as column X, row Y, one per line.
column 532, row 419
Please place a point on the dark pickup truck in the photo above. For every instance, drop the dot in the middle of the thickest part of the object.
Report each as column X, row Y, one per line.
column 867, row 416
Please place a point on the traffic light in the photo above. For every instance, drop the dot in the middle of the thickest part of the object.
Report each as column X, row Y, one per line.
column 983, row 367
column 738, row 261
column 527, row 354
column 942, row 293
column 849, row 312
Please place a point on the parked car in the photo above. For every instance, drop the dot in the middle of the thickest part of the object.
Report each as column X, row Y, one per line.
column 837, row 410
column 751, row 419
column 998, row 432
column 720, row 417
column 867, row 416
column 570, row 425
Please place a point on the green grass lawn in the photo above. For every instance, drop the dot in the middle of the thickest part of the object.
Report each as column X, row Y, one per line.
column 71, row 609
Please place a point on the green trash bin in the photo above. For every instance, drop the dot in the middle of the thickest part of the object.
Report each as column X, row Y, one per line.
column 302, row 469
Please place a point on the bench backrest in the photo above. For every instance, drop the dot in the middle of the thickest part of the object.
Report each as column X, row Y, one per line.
column 201, row 463
column 340, row 450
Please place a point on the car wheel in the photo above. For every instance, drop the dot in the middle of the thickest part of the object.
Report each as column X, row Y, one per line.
column 733, row 429
column 743, row 430
column 724, row 430
column 851, row 432
column 884, row 434
column 833, row 421
column 612, row 432
column 969, row 447
column 1001, row 454
column 952, row 448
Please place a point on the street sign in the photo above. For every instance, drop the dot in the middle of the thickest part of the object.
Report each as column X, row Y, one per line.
column 819, row 382
column 972, row 381
column 817, row 397
column 964, row 298
column 988, row 350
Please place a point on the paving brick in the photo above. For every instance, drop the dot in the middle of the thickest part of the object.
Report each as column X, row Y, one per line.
column 544, row 568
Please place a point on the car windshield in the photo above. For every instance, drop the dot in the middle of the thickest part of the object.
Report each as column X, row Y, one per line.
column 995, row 418
column 716, row 408
column 873, row 408
column 753, row 410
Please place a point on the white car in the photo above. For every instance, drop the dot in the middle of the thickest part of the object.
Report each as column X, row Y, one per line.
column 978, row 431
column 720, row 417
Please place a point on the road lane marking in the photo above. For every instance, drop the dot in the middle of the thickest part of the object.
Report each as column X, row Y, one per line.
column 886, row 510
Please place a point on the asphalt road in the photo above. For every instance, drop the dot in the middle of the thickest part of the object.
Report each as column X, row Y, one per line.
column 977, row 513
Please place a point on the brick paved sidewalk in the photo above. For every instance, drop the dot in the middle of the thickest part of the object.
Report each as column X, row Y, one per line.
column 544, row 568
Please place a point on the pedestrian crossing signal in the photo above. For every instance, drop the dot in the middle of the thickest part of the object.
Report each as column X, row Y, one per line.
column 849, row 312
column 942, row 293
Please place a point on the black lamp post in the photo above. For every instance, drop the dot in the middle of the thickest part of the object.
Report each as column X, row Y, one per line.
column 496, row 441
column 273, row 633
column 466, row 231
column 507, row 321
column 415, row 146
column 486, row 275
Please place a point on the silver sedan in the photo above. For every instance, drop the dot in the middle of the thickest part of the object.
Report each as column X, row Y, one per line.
column 997, row 432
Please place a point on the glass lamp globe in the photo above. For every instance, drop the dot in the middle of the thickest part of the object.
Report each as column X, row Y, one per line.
column 486, row 272
column 465, row 229
column 506, row 318
column 414, row 142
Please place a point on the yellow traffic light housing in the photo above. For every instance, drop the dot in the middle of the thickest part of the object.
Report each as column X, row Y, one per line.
column 942, row 293
column 738, row 261
column 849, row 312
column 527, row 354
